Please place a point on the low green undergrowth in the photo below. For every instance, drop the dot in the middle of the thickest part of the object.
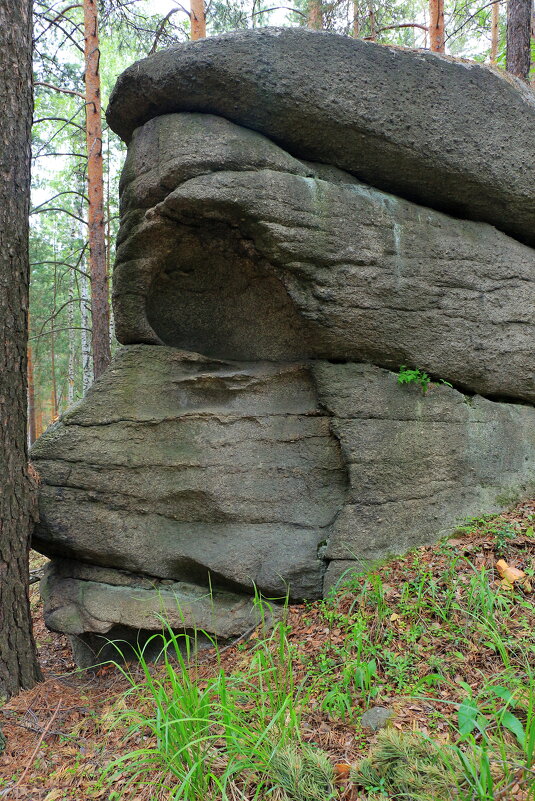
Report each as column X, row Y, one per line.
column 435, row 631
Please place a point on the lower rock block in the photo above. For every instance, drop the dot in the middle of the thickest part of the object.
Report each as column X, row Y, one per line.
column 191, row 480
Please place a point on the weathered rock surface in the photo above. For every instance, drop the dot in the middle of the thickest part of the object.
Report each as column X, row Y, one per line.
column 237, row 475
column 339, row 270
column 181, row 467
column 417, row 463
column 252, row 434
column 96, row 606
column 469, row 149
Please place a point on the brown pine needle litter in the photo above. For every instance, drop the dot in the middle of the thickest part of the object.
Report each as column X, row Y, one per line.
column 444, row 638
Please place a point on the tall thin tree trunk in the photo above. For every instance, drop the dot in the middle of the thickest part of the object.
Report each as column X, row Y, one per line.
column 71, row 372
column 494, row 31
column 95, row 189
column 315, row 15
column 54, row 391
column 371, row 20
column 518, row 55
column 32, row 428
column 54, row 388
column 38, row 417
column 436, row 26
column 19, row 668
column 356, row 27
column 198, row 19
column 85, row 323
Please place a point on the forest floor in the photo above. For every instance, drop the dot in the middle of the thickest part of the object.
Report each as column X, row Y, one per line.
column 438, row 637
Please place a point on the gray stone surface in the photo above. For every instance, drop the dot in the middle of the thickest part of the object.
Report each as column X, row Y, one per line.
column 289, row 260
column 376, row 718
column 252, row 434
column 182, row 467
column 75, row 605
column 238, row 475
column 417, row 464
column 468, row 148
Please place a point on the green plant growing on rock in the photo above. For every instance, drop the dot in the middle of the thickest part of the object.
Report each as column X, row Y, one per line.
column 407, row 375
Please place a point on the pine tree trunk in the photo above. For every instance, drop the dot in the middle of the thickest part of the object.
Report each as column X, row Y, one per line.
column 436, row 26
column 18, row 662
column 95, row 189
column 198, row 19
column 72, row 341
column 518, row 55
column 356, row 27
column 315, row 15
column 85, row 323
column 494, row 31
column 371, row 21
column 32, row 427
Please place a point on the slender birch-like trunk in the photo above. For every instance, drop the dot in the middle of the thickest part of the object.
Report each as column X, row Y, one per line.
column 71, row 371
column 85, row 318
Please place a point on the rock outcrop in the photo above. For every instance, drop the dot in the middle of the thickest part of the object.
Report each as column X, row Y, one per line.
column 338, row 269
column 251, row 433
column 451, row 134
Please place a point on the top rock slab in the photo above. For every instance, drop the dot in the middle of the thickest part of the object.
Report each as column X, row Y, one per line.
column 453, row 135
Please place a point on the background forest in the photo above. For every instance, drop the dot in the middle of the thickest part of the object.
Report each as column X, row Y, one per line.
column 61, row 328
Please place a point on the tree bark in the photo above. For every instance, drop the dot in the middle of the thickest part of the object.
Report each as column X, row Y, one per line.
column 315, row 15
column 85, row 322
column 371, row 22
column 518, row 54
column 100, row 306
column 436, row 26
column 494, row 31
column 32, row 425
column 71, row 371
column 18, row 661
column 356, row 27
column 198, row 19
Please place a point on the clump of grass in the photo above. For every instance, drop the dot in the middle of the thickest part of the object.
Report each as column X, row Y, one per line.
column 408, row 766
column 303, row 773
column 225, row 737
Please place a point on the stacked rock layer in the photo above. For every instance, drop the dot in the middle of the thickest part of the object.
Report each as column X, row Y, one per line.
column 251, row 433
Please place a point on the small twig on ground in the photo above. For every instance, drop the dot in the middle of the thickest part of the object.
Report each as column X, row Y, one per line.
column 36, row 749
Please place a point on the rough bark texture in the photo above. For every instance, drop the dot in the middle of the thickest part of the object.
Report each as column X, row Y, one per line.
column 18, row 662
column 436, row 26
column 494, row 31
column 518, row 55
column 100, row 306
column 198, row 19
column 359, row 106
column 315, row 15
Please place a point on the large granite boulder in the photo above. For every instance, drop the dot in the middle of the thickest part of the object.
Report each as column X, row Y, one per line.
column 274, row 476
column 181, row 467
column 251, row 434
column 339, row 270
column 451, row 134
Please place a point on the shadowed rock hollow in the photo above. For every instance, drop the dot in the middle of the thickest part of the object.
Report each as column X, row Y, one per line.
column 251, row 432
